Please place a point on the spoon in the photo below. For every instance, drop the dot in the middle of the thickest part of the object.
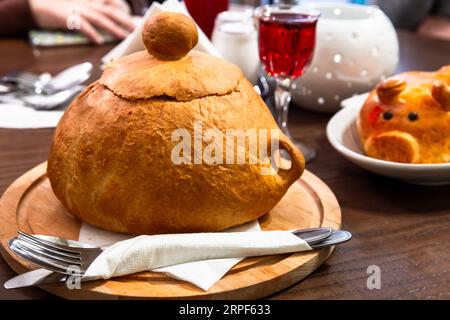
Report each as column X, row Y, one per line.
column 45, row 83
column 49, row 102
column 69, row 78
column 44, row 102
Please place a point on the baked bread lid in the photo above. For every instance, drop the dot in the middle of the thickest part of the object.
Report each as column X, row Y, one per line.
column 142, row 76
column 183, row 75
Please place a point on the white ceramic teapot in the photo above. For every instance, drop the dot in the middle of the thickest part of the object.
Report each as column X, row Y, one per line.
column 357, row 46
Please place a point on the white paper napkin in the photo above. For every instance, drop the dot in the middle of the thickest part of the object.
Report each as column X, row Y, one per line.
column 200, row 273
column 18, row 116
column 133, row 42
column 152, row 252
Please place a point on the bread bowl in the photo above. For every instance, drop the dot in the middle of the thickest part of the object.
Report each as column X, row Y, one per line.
column 111, row 162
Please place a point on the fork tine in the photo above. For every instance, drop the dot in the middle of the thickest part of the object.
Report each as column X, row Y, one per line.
column 73, row 259
column 65, row 249
column 45, row 259
column 30, row 257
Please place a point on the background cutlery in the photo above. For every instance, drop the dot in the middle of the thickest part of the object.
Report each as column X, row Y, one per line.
column 44, row 83
column 70, row 77
column 44, row 102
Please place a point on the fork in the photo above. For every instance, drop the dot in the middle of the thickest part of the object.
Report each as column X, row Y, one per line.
column 52, row 256
column 27, row 81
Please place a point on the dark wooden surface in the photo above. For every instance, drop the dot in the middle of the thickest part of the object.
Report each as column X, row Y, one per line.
column 403, row 229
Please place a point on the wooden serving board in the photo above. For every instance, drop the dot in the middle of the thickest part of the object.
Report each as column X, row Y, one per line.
column 30, row 205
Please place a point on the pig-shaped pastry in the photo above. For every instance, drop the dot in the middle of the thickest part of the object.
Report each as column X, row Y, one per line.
column 406, row 118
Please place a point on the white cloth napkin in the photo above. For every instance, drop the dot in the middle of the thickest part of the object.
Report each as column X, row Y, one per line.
column 133, row 42
column 18, row 116
column 171, row 254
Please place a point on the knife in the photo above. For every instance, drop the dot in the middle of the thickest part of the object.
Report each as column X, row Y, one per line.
column 34, row 278
column 312, row 236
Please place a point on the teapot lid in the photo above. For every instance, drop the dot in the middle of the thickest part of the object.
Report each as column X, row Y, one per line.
column 169, row 67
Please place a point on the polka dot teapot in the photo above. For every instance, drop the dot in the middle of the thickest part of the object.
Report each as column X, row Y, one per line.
column 356, row 48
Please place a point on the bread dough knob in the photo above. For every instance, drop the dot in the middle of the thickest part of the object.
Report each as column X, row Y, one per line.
column 169, row 35
column 389, row 89
column 441, row 93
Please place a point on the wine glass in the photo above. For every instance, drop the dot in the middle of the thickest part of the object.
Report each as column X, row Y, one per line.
column 286, row 41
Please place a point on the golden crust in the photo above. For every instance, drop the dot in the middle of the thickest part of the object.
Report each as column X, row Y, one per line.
column 110, row 163
column 416, row 128
column 140, row 75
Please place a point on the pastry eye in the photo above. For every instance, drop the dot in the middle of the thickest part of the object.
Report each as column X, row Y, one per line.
column 413, row 116
column 387, row 115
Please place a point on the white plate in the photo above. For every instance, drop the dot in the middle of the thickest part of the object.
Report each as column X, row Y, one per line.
column 343, row 136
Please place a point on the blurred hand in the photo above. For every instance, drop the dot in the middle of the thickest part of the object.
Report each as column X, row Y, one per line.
column 435, row 26
column 112, row 16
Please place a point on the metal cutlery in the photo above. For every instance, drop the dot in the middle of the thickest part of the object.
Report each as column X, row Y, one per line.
column 44, row 83
column 58, row 255
column 53, row 101
column 69, row 78
column 44, row 102
column 34, row 278
column 43, row 276
column 338, row 237
column 22, row 80
column 6, row 88
column 314, row 235
column 53, row 256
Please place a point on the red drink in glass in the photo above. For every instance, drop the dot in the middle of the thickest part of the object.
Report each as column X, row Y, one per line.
column 287, row 37
column 286, row 43
column 204, row 12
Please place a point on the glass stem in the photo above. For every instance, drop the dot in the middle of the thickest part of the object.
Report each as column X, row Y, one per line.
column 282, row 100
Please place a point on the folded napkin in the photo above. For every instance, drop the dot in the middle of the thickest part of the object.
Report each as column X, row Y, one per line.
column 133, row 42
column 18, row 116
column 203, row 274
column 173, row 254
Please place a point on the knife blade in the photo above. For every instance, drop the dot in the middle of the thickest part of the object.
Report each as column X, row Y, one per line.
column 34, row 278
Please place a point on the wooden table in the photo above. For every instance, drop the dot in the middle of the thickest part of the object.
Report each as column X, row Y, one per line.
column 404, row 229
